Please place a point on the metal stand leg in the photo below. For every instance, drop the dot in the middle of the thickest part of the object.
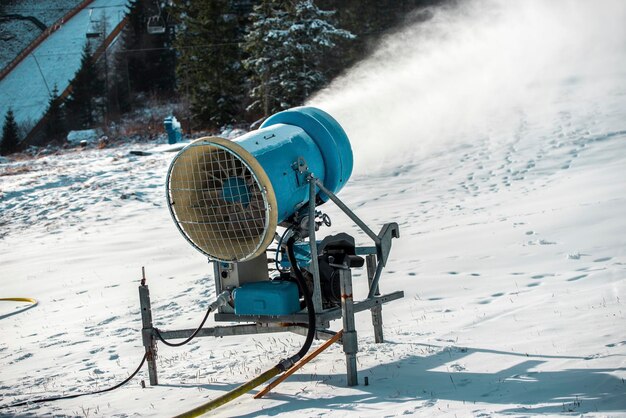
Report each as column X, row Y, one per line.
column 377, row 311
column 350, row 342
column 148, row 339
column 315, row 270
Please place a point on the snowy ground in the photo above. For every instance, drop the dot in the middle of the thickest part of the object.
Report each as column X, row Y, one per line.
column 27, row 88
column 17, row 34
column 47, row 11
column 512, row 257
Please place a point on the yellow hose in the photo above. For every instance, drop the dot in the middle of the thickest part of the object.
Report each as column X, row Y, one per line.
column 29, row 300
column 235, row 393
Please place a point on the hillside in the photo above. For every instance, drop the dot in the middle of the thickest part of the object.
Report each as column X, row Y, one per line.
column 494, row 134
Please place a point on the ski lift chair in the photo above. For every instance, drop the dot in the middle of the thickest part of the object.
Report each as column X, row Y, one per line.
column 156, row 25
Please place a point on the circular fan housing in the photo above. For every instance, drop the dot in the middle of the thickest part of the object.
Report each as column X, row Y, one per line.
column 227, row 197
column 221, row 200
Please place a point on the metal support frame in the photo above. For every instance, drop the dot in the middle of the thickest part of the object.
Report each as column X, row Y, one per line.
column 350, row 341
column 382, row 240
column 376, row 258
column 377, row 311
column 149, row 341
column 315, row 269
column 225, row 331
column 323, row 317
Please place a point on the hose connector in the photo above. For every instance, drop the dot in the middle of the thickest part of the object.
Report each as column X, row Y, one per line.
column 286, row 364
column 222, row 299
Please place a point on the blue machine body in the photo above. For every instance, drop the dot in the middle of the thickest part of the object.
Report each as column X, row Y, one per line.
column 302, row 251
column 275, row 297
column 303, row 132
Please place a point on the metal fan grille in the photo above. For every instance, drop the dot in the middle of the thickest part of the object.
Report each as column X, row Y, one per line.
column 217, row 202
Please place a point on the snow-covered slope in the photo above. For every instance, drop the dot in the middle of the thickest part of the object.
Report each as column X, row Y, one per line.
column 16, row 34
column 512, row 252
column 27, row 88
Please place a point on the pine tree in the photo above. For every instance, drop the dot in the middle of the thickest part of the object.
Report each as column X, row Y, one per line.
column 209, row 67
column 87, row 90
column 119, row 95
column 263, row 43
column 55, row 117
column 10, row 140
column 368, row 20
column 286, row 44
column 314, row 36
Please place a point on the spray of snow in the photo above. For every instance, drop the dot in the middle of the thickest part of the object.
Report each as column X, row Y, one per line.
column 478, row 69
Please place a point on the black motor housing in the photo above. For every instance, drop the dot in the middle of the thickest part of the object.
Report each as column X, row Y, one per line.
column 335, row 252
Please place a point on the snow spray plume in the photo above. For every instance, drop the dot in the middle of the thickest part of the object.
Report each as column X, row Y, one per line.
column 477, row 70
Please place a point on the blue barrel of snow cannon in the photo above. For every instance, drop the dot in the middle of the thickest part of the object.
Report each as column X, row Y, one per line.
column 330, row 139
column 227, row 197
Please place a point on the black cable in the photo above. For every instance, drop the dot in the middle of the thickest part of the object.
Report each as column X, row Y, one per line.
column 145, row 356
column 308, row 300
column 280, row 243
column 191, row 337
column 56, row 398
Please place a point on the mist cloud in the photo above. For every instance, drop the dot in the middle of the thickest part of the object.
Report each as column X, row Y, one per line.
column 476, row 70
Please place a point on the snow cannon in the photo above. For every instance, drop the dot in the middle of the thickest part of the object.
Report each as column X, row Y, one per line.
column 232, row 200
column 228, row 197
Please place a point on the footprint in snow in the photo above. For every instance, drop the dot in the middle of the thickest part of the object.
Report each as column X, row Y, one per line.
column 21, row 358
column 457, row 367
column 542, row 242
column 573, row 279
column 575, row 256
column 600, row 260
column 108, row 320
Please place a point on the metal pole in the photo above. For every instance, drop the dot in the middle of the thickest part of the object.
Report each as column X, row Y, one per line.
column 148, row 339
column 310, row 356
column 374, row 283
column 350, row 342
column 106, row 70
column 377, row 311
column 216, row 277
column 315, row 269
column 42, row 76
column 348, row 212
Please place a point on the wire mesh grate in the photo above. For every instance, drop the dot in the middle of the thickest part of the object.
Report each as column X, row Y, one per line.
column 217, row 202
